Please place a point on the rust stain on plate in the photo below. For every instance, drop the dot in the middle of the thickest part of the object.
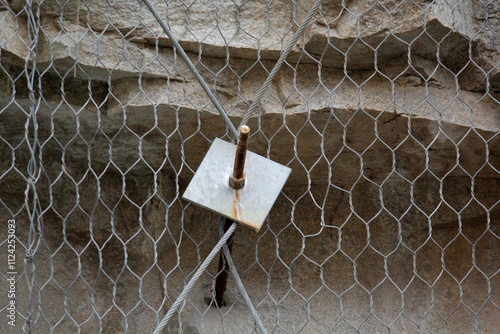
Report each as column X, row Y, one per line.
column 236, row 213
column 236, row 205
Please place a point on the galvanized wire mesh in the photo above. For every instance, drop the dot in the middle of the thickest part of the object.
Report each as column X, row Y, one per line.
column 387, row 112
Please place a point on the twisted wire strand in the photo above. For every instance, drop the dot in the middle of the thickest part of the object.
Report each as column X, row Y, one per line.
column 239, row 283
column 33, row 167
column 265, row 86
column 193, row 69
column 189, row 286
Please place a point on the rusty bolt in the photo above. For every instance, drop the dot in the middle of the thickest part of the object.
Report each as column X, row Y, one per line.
column 237, row 180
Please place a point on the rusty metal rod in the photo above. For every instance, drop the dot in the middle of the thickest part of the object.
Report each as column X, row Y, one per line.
column 223, row 268
column 241, row 152
column 237, row 180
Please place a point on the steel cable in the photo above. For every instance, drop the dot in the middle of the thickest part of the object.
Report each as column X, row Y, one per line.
column 193, row 69
column 189, row 286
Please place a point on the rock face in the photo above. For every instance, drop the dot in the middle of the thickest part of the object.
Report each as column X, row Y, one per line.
column 387, row 112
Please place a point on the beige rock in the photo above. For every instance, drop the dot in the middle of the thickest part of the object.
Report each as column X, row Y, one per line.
column 386, row 31
column 240, row 28
column 365, row 34
column 14, row 40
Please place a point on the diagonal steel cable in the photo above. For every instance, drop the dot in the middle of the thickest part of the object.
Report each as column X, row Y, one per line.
column 193, row 69
column 239, row 283
column 265, row 86
column 228, row 122
column 189, row 286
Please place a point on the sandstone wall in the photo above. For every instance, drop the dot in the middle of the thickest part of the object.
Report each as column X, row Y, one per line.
column 388, row 113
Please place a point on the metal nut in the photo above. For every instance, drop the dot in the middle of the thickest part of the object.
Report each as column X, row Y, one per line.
column 237, row 183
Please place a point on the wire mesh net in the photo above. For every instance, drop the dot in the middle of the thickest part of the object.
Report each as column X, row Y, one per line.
column 387, row 112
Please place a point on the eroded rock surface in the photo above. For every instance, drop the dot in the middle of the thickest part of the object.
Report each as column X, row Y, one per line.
column 388, row 113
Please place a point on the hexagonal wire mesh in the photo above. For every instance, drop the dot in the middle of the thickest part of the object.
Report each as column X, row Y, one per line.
column 387, row 112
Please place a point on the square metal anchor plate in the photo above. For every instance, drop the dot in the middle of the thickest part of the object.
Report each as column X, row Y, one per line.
column 250, row 205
